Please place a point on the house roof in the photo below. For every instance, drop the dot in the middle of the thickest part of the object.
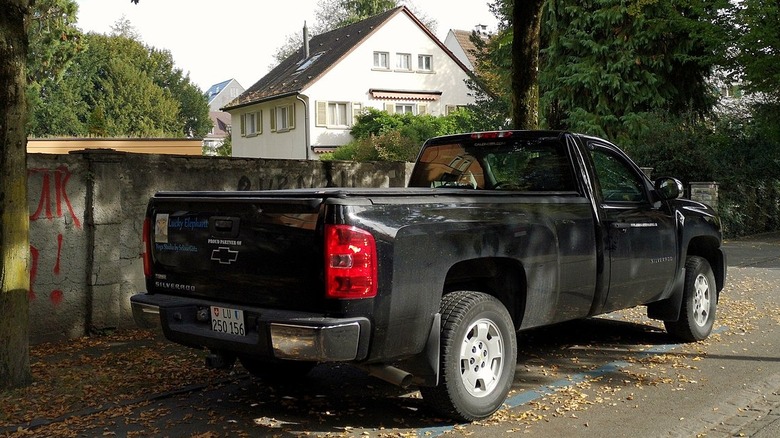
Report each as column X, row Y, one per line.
column 221, row 122
column 295, row 73
column 463, row 37
column 214, row 90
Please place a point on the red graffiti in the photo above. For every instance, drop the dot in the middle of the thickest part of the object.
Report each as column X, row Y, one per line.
column 56, row 295
column 59, row 254
column 61, row 177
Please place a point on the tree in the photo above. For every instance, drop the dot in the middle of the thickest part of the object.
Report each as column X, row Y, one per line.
column 14, row 227
column 508, row 66
column 526, row 19
column 124, row 28
column 493, row 73
column 758, row 46
column 53, row 42
column 130, row 88
column 609, row 64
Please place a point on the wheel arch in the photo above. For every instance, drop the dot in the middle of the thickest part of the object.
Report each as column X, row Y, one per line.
column 501, row 277
column 708, row 247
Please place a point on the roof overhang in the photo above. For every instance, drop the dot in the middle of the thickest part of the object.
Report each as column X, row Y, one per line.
column 404, row 94
column 229, row 107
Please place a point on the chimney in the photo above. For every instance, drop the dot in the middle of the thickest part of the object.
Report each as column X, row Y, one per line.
column 305, row 41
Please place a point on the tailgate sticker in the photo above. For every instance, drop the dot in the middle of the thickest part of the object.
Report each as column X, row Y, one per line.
column 161, row 228
column 224, row 242
column 179, row 247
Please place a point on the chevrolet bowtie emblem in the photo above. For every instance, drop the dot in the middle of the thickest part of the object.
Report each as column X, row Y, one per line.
column 224, row 255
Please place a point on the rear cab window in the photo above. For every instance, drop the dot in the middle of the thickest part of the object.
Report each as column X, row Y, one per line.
column 535, row 164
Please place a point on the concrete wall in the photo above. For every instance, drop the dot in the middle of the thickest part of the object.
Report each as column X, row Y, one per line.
column 86, row 214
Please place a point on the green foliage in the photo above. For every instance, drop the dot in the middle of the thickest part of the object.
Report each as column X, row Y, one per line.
column 53, row 39
column 740, row 150
column 609, row 63
column 492, row 80
column 380, row 136
column 677, row 146
column 226, row 148
column 758, row 46
column 115, row 86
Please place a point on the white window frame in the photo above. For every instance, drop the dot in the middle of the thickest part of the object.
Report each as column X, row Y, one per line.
column 379, row 57
column 328, row 114
column 283, row 118
column 421, row 63
column 403, row 61
column 449, row 109
column 393, row 108
column 338, row 114
column 251, row 124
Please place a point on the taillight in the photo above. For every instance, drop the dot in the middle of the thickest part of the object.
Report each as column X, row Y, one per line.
column 147, row 248
column 350, row 262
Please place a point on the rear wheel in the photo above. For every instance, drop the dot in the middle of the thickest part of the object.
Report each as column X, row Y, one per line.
column 275, row 370
column 478, row 357
column 700, row 299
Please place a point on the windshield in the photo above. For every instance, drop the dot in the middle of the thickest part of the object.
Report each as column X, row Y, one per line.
column 504, row 164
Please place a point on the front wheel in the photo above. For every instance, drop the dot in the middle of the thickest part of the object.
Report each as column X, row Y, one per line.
column 478, row 357
column 700, row 298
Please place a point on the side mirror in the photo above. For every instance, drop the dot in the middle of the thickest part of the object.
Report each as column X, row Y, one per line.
column 668, row 188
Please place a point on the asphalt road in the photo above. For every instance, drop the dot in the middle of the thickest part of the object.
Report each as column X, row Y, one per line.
column 615, row 375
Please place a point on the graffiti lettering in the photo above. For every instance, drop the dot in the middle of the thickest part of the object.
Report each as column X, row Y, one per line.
column 61, row 177
column 55, row 296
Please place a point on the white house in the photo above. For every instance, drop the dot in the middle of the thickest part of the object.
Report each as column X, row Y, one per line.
column 460, row 44
column 308, row 103
column 222, row 93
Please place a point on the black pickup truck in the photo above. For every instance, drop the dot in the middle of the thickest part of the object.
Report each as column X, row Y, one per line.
column 496, row 232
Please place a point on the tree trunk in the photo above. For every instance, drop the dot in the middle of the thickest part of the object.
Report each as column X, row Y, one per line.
column 14, row 227
column 526, row 25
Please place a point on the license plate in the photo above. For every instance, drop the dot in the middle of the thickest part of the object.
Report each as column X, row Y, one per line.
column 227, row 320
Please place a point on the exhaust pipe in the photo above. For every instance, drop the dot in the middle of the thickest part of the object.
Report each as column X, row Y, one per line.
column 390, row 374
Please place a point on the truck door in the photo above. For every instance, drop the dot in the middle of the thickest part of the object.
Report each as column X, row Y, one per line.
column 640, row 235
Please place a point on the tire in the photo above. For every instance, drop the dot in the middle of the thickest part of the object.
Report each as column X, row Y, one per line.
column 478, row 357
column 700, row 299
column 275, row 370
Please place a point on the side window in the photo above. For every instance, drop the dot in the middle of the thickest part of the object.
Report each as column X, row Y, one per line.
column 618, row 181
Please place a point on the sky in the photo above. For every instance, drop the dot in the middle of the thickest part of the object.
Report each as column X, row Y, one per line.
column 214, row 41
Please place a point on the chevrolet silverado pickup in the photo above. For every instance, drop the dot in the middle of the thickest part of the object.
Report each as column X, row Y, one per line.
column 427, row 285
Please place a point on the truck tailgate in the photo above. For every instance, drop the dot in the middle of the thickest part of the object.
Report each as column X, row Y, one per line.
column 256, row 251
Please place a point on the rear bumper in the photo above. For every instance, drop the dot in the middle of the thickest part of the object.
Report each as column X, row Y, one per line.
column 269, row 333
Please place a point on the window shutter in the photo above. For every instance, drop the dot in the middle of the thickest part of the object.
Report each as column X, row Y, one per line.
column 273, row 119
column 390, row 108
column 259, row 122
column 321, row 118
column 291, row 117
column 355, row 108
column 243, row 124
column 422, row 109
